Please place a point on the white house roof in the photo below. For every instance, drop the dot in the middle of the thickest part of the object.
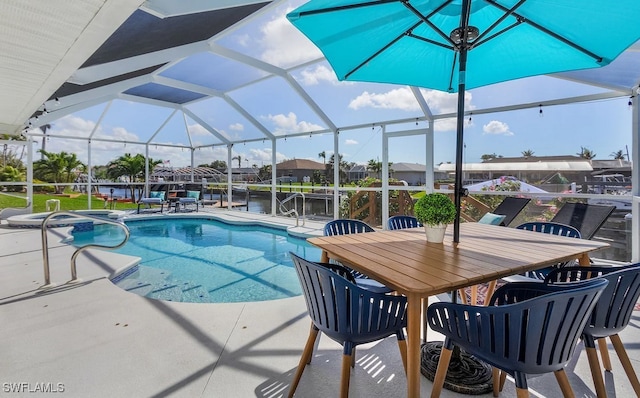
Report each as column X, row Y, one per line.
column 583, row 165
column 407, row 167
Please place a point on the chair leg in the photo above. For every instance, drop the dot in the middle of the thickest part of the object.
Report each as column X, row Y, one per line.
column 604, row 353
column 425, row 305
column 441, row 372
column 346, row 374
column 353, row 357
column 626, row 363
column 563, row 382
column 496, row 381
column 463, row 295
column 503, row 379
column 596, row 372
column 402, row 345
column 522, row 392
column 304, row 359
column 490, row 289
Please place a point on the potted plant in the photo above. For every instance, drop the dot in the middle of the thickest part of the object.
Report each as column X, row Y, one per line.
column 435, row 211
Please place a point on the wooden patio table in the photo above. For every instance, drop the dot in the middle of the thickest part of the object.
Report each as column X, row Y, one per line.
column 406, row 262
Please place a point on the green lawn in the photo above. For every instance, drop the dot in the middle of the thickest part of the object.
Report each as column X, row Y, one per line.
column 66, row 203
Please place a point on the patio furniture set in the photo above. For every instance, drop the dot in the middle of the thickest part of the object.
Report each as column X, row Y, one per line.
column 179, row 201
column 526, row 328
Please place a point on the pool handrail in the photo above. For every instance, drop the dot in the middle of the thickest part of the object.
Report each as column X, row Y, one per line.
column 74, row 256
column 285, row 212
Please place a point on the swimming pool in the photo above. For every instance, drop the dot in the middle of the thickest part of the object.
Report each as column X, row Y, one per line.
column 201, row 260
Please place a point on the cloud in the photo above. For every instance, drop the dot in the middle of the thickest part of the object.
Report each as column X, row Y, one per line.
column 441, row 102
column 495, row 127
column 283, row 45
column 350, row 142
column 320, row 73
column 403, row 99
column 400, row 98
column 287, row 124
column 236, row 127
column 197, row 129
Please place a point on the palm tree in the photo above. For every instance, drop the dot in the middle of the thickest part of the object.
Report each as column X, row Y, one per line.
column 489, row 156
column 56, row 168
column 132, row 167
column 72, row 163
column 44, row 129
column 618, row 155
column 342, row 166
column 239, row 159
column 527, row 153
column 586, row 153
column 323, row 155
column 375, row 167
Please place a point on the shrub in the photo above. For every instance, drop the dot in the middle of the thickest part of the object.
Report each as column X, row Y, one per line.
column 435, row 208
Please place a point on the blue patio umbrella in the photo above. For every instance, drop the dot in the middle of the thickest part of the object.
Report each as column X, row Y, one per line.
column 452, row 45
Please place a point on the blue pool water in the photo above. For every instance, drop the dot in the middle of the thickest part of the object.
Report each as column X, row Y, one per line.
column 199, row 260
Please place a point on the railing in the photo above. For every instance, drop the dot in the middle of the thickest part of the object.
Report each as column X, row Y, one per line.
column 74, row 256
column 294, row 210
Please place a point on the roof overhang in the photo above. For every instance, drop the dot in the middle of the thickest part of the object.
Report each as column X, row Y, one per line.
column 520, row 166
column 44, row 42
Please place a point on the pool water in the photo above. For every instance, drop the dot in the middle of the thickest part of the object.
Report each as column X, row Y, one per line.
column 199, row 260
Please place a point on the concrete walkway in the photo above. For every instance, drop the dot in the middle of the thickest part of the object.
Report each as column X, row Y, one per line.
column 97, row 340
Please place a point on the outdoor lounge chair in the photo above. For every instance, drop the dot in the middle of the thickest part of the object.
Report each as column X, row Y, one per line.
column 155, row 198
column 510, row 207
column 610, row 316
column 584, row 217
column 347, row 313
column 529, row 328
column 192, row 198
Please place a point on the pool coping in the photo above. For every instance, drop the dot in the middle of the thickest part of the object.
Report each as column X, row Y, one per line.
column 34, row 220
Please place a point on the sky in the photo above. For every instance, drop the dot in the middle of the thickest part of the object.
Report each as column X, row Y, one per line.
column 603, row 127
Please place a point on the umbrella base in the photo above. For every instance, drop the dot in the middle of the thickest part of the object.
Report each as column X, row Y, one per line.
column 466, row 374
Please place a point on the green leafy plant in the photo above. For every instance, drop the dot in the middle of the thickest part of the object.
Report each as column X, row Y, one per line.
column 435, row 208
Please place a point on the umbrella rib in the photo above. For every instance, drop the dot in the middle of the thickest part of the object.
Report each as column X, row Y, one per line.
column 347, row 7
column 426, row 20
column 410, row 34
column 509, row 12
column 392, row 42
column 477, row 42
column 549, row 32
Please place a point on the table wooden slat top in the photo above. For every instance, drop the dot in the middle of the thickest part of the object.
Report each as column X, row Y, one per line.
column 405, row 261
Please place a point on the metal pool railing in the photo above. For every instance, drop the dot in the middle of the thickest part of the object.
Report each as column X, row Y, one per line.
column 74, row 256
column 284, row 211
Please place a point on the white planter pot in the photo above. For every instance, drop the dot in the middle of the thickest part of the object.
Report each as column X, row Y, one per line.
column 435, row 233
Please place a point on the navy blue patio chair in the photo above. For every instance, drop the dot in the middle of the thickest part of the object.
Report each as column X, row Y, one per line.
column 529, row 328
column 547, row 227
column 346, row 313
column 345, row 226
column 610, row 316
column 402, row 222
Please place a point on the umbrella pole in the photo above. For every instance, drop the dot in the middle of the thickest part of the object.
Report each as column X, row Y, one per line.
column 459, row 190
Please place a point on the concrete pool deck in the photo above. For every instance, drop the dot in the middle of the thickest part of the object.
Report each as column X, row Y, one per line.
column 100, row 341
